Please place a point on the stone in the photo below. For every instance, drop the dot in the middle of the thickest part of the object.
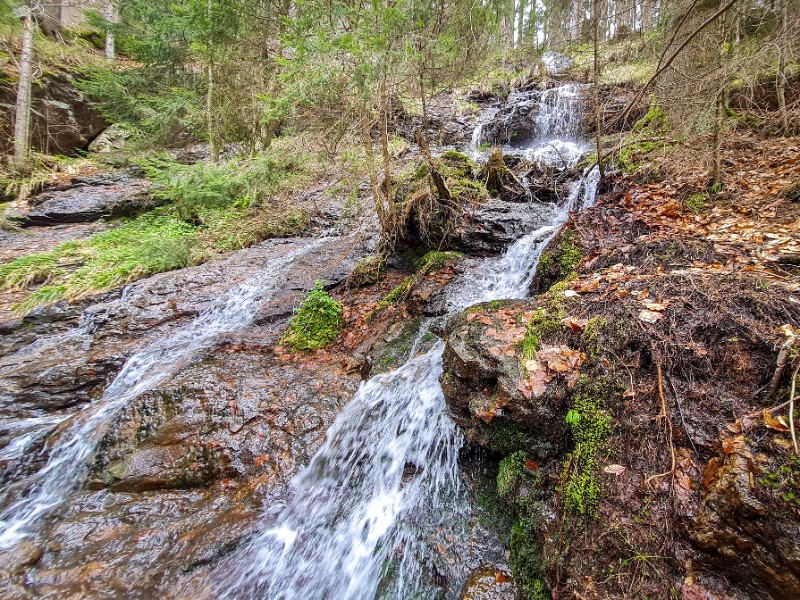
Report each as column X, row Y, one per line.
column 63, row 120
column 494, row 225
column 111, row 139
column 490, row 582
column 88, row 199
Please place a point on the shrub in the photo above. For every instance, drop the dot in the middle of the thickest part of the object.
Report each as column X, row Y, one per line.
column 316, row 322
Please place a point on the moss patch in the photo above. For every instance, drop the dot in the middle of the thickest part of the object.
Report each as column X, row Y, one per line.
column 316, row 322
column 590, row 423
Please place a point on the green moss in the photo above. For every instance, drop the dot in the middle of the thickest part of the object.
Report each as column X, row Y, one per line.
column 590, row 423
column 547, row 319
column 397, row 350
column 512, row 469
column 527, row 561
column 591, row 335
column 507, row 437
column 784, row 481
column 559, row 262
column 316, row 322
column 697, row 203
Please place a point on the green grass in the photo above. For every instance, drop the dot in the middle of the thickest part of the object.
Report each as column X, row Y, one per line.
column 139, row 247
column 208, row 209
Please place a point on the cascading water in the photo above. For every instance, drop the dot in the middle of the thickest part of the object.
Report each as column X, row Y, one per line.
column 26, row 501
column 360, row 518
column 558, row 126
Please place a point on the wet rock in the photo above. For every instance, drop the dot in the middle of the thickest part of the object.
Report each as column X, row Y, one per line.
column 515, row 121
column 753, row 544
column 232, row 414
column 110, row 140
column 89, row 199
column 63, row 119
column 494, row 225
column 490, row 583
column 482, row 380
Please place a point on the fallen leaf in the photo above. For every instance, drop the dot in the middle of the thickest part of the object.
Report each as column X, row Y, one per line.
column 574, row 324
column 582, row 285
column 649, row 316
column 629, row 393
column 614, row 469
column 656, row 306
column 775, row 424
column 733, row 444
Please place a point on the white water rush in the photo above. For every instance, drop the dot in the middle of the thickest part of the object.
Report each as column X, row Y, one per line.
column 27, row 501
column 360, row 520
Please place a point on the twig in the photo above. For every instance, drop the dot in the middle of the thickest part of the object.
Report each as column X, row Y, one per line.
column 664, row 415
column 791, row 408
column 680, row 412
column 783, row 359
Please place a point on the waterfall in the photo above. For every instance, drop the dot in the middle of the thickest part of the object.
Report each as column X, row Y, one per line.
column 360, row 520
column 26, row 501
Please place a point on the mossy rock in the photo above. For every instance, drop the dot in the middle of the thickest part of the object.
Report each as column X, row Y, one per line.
column 558, row 261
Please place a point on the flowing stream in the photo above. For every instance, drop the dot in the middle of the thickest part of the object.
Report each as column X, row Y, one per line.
column 361, row 518
column 27, row 501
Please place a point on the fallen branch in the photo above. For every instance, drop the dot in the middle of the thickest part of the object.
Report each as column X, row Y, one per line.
column 783, row 359
column 791, row 409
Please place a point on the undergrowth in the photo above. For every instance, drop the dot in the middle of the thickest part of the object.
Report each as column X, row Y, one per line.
column 316, row 322
column 140, row 247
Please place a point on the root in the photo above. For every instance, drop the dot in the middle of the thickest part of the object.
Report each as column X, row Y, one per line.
column 783, row 360
column 664, row 416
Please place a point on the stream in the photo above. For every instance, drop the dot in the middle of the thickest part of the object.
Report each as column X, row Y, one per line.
column 363, row 517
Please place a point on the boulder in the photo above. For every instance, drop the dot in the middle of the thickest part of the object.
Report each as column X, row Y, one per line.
column 88, row 199
column 63, row 120
column 110, row 140
column 493, row 225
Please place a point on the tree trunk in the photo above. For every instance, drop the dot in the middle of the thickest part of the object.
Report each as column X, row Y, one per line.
column 783, row 40
column 716, row 180
column 438, row 181
column 110, row 15
column 598, row 126
column 213, row 142
column 520, row 23
column 22, row 121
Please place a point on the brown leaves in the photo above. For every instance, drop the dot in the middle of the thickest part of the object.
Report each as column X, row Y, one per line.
column 576, row 325
column 776, row 424
column 548, row 364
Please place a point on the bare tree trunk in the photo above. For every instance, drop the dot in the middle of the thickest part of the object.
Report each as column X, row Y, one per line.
column 110, row 15
column 783, row 40
column 598, row 127
column 22, row 120
column 575, row 19
column 387, row 167
column 213, row 142
column 520, row 22
column 716, row 180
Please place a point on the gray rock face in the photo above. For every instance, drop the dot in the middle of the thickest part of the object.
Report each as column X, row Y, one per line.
column 185, row 468
column 88, row 199
column 494, row 225
column 113, row 138
column 63, row 119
